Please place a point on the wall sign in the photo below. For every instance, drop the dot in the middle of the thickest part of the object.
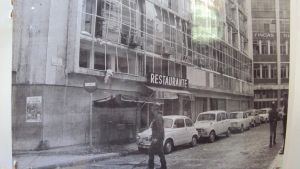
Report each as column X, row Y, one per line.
column 163, row 80
column 34, row 109
column 264, row 35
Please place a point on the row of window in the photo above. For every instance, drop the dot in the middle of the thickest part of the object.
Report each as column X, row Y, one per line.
column 117, row 29
column 124, row 60
column 268, row 47
column 269, row 71
column 269, row 25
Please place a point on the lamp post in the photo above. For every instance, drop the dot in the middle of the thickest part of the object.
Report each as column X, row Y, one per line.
column 90, row 85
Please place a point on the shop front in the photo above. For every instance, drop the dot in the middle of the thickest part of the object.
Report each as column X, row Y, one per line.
column 172, row 92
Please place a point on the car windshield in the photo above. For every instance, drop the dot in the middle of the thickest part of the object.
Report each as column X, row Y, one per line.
column 204, row 117
column 168, row 123
column 263, row 112
column 236, row 116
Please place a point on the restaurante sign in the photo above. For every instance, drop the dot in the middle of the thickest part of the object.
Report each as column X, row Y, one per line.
column 163, row 80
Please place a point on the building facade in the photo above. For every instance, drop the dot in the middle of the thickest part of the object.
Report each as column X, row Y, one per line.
column 271, row 27
column 189, row 55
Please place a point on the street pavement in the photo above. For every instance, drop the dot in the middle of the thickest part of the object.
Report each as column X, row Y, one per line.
column 248, row 150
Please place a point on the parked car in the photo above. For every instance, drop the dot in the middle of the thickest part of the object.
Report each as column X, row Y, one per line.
column 211, row 124
column 179, row 130
column 264, row 114
column 254, row 116
column 239, row 121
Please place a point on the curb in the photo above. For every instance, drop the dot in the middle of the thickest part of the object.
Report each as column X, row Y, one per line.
column 85, row 161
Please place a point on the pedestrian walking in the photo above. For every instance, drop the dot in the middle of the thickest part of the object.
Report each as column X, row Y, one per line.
column 284, row 120
column 273, row 117
column 158, row 135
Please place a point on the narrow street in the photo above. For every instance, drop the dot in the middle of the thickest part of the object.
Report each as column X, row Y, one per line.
column 248, row 150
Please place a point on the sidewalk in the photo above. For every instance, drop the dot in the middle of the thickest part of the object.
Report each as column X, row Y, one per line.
column 277, row 162
column 70, row 156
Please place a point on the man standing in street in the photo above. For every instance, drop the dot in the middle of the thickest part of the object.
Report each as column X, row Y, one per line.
column 158, row 135
column 273, row 116
column 284, row 120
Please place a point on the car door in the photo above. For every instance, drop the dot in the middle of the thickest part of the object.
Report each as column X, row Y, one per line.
column 179, row 131
column 245, row 120
column 190, row 129
column 224, row 122
column 218, row 124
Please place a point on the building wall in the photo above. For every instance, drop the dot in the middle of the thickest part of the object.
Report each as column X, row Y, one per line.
column 270, row 49
column 52, row 39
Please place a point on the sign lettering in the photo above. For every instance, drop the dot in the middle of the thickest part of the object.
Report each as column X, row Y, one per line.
column 163, row 80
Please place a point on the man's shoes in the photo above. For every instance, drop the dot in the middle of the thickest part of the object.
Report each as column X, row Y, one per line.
column 270, row 145
column 274, row 142
column 281, row 151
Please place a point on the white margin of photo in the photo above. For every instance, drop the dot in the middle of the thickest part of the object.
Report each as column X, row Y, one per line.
column 292, row 147
column 5, row 87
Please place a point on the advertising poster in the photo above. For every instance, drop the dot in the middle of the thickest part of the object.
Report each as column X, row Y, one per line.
column 34, row 109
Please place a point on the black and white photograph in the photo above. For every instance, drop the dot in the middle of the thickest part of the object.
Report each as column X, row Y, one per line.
column 146, row 84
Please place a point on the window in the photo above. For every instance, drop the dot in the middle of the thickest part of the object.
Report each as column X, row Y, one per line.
column 265, row 71
column 264, row 47
column 179, row 123
column 122, row 61
column 219, row 117
column 132, row 62
column 273, row 47
column 172, row 69
column 178, row 70
column 165, row 67
column 157, row 65
column 149, row 64
column 84, row 58
column 100, row 61
column 223, row 116
column 188, row 122
column 273, row 71
column 255, row 47
column 141, row 64
column 284, row 70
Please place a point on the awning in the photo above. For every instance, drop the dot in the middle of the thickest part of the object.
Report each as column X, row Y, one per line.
column 165, row 93
column 121, row 100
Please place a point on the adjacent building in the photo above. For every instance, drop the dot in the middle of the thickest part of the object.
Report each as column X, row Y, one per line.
column 271, row 34
column 189, row 55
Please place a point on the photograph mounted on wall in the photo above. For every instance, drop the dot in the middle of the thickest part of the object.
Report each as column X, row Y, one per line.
column 144, row 84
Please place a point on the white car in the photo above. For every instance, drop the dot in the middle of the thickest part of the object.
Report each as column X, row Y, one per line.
column 254, row 116
column 264, row 115
column 239, row 121
column 179, row 130
column 211, row 124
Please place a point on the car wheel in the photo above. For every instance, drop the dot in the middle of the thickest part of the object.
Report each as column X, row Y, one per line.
column 228, row 133
column 242, row 128
column 168, row 147
column 194, row 141
column 212, row 137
